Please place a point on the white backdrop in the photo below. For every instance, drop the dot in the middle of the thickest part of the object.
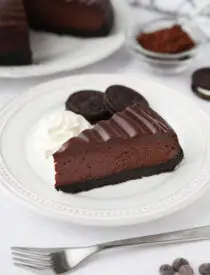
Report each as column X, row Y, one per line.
column 168, row 5
column 20, row 226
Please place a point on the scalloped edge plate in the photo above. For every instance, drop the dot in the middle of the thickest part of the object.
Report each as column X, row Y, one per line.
column 147, row 199
column 67, row 53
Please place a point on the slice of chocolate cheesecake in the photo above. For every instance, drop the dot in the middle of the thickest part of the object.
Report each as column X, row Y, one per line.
column 14, row 30
column 134, row 143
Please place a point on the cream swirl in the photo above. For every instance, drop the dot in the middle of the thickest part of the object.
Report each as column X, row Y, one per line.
column 55, row 129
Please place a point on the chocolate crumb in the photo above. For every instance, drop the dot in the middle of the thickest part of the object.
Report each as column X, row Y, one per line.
column 166, row 270
column 204, row 269
column 178, row 263
column 186, row 270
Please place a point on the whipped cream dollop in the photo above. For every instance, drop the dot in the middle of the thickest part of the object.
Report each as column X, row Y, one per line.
column 56, row 128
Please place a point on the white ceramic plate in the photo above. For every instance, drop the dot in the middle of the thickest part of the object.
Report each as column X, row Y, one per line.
column 27, row 176
column 54, row 53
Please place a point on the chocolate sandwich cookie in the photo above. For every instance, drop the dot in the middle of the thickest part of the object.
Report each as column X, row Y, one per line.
column 89, row 104
column 118, row 97
column 201, row 83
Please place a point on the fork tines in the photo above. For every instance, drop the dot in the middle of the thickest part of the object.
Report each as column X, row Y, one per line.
column 32, row 258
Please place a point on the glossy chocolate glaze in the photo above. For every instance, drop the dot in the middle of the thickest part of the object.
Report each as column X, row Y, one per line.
column 132, row 140
column 134, row 121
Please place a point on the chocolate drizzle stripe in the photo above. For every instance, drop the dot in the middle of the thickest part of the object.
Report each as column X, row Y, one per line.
column 133, row 121
column 137, row 123
column 97, row 135
column 133, row 110
column 102, row 131
column 153, row 122
column 119, row 132
column 163, row 126
column 84, row 137
column 144, row 120
column 90, row 135
column 125, row 125
column 109, row 128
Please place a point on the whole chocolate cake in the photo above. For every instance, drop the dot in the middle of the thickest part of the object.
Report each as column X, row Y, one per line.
column 86, row 18
column 14, row 34
column 134, row 143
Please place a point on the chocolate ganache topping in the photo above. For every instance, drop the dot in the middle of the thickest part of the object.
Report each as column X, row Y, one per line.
column 133, row 122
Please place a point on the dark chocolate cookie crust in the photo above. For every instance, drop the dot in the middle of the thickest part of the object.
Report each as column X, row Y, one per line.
column 123, row 176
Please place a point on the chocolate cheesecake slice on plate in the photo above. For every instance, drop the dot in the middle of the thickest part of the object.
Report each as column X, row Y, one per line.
column 134, row 143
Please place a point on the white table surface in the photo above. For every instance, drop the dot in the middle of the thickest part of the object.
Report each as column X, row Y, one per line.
column 20, row 226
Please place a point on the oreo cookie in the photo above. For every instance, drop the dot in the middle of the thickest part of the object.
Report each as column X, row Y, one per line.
column 89, row 104
column 201, row 83
column 118, row 97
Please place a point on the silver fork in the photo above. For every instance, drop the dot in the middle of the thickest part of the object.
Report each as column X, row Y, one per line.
column 62, row 260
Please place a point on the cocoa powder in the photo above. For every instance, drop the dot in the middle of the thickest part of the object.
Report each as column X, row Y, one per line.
column 170, row 40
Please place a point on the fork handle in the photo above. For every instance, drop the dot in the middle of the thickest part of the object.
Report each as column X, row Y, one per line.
column 189, row 235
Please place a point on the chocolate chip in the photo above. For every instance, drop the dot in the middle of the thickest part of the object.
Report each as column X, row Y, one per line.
column 166, row 270
column 186, row 270
column 178, row 263
column 204, row 269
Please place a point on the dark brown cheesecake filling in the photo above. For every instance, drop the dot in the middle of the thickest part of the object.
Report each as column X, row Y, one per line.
column 123, row 176
column 134, row 143
column 115, row 157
